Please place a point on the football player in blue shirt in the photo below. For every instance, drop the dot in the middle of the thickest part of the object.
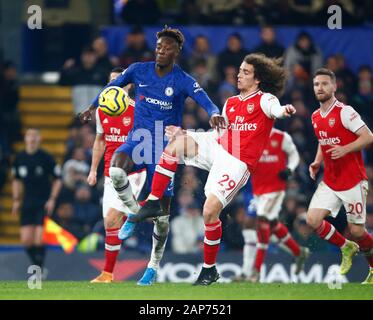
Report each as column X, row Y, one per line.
column 161, row 88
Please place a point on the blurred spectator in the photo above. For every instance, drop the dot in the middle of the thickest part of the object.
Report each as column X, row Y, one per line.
column 142, row 12
column 65, row 218
column 188, row 230
column 232, row 232
column 363, row 100
column 248, row 12
column 86, row 73
column 306, row 10
column 232, row 55
column 201, row 50
column 104, row 61
column 86, row 213
column 190, row 13
column 365, row 73
column 228, row 87
column 269, row 46
column 303, row 58
column 203, row 76
column 137, row 49
column 75, row 170
column 217, row 11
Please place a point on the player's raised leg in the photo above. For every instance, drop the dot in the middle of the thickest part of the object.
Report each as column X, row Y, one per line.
column 181, row 145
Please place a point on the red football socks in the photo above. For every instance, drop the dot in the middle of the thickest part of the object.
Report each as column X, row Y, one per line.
column 282, row 233
column 327, row 232
column 163, row 174
column 213, row 232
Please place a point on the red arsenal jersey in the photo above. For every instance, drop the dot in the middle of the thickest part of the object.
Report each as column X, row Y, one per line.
column 337, row 127
column 114, row 131
column 265, row 178
column 249, row 125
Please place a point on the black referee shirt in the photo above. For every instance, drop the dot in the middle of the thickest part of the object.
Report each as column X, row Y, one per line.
column 36, row 171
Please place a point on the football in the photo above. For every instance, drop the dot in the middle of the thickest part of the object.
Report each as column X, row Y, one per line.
column 113, row 101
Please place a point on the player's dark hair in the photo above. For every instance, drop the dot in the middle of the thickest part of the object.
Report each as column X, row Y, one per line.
column 117, row 70
column 325, row 72
column 172, row 33
column 269, row 72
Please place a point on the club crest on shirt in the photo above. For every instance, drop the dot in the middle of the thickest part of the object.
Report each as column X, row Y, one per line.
column 250, row 108
column 126, row 121
column 169, row 91
column 274, row 143
column 331, row 122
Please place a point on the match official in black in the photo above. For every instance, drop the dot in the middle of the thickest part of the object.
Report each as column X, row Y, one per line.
column 36, row 185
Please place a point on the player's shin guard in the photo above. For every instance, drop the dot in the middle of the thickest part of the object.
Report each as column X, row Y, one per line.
column 366, row 246
column 282, row 233
column 164, row 172
column 249, row 251
column 112, row 249
column 263, row 233
column 123, row 187
column 327, row 232
column 160, row 234
column 213, row 232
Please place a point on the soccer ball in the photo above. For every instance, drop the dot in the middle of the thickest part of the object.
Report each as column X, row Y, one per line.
column 113, row 101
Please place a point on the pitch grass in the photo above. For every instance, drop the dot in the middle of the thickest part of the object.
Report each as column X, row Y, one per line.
column 69, row 290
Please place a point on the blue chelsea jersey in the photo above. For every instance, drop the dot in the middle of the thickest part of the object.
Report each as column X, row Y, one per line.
column 161, row 98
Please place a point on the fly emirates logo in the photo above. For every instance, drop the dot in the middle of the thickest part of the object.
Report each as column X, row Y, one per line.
column 115, row 136
column 328, row 141
column 240, row 125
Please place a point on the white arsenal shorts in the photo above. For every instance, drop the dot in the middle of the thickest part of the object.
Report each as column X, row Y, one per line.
column 227, row 173
column 111, row 199
column 268, row 205
column 354, row 201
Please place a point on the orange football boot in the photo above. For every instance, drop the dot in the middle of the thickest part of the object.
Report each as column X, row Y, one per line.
column 104, row 277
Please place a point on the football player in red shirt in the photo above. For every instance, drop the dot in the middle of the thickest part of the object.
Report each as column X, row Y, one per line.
column 278, row 161
column 342, row 136
column 111, row 132
column 230, row 156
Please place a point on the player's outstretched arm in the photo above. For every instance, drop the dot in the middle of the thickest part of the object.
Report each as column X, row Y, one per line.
column 273, row 109
column 365, row 138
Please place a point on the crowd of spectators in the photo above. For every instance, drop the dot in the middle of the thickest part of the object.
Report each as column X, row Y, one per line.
column 242, row 12
column 217, row 73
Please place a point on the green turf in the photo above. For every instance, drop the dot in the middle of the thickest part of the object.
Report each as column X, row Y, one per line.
column 130, row 291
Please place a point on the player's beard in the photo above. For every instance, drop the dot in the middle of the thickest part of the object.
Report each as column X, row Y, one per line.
column 325, row 97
